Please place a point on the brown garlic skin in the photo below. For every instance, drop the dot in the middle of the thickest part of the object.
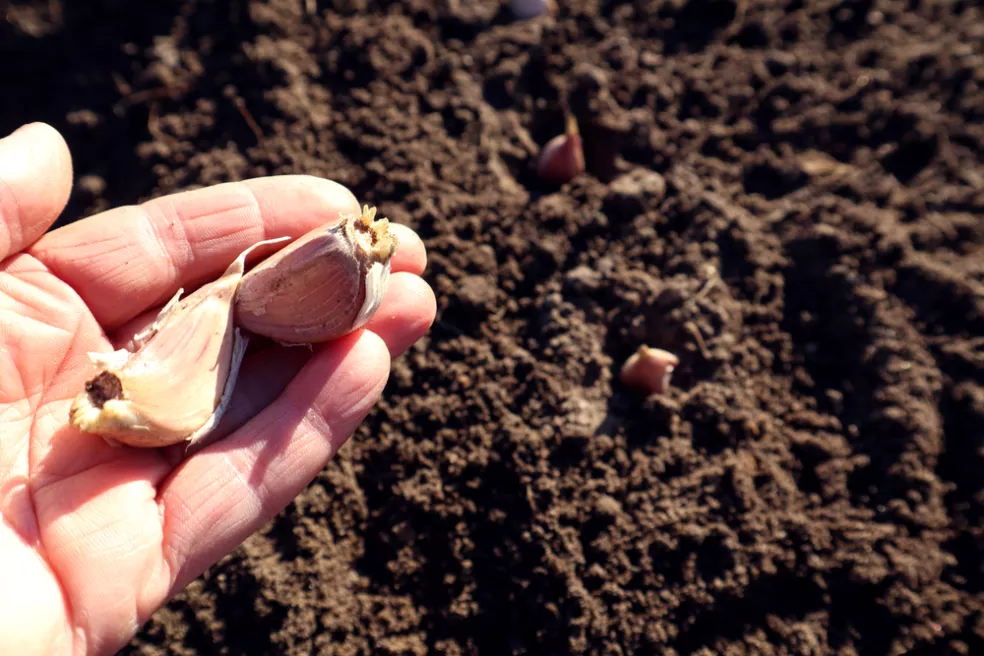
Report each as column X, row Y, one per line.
column 323, row 286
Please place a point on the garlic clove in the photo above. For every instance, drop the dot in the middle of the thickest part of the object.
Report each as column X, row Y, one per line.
column 144, row 335
column 649, row 370
column 177, row 383
column 526, row 9
column 323, row 286
column 562, row 158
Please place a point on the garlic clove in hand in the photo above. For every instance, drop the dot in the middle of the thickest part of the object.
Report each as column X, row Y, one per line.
column 323, row 286
column 176, row 383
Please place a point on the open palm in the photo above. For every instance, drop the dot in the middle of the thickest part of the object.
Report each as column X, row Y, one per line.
column 94, row 538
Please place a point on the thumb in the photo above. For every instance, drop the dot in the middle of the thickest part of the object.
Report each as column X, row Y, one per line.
column 35, row 182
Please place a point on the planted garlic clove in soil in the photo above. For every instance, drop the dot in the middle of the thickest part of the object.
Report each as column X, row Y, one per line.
column 562, row 158
column 648, row 370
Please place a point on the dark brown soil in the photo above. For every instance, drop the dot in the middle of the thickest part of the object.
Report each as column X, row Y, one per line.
column 789, row 195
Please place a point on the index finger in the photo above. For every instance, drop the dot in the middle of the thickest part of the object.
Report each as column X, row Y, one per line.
column 131, row 259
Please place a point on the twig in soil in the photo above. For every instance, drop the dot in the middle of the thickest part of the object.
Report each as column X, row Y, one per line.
column 691, row 329
column 738, row 22
column 250, row 121
column 122, row 86
column 153, row 122
column 137, row 97
column 449, row 326
column 130, row 97
column 712, row 279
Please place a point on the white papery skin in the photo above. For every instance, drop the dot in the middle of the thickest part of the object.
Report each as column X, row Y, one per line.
column 376, row 282
column 176, row 385
column 323, row 286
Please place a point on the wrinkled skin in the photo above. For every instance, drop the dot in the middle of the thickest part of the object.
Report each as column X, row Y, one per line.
column 93, row 539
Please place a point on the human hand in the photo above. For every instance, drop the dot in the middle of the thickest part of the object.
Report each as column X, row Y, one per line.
column 93, row 539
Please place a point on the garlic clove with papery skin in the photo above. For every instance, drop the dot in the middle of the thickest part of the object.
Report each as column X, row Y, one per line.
column 176, row 384
column 562, row 158
column 649, row 369
column 325, row 285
